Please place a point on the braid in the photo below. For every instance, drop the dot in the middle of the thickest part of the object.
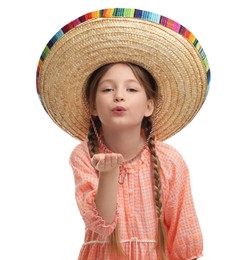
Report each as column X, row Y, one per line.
column 156, row 171
column 91, row 141
column 92, row 138
column 157, row 189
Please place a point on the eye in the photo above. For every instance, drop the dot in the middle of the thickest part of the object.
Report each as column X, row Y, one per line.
column 132, row 90
column 105, row 90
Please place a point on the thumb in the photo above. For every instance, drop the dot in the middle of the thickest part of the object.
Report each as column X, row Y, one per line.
column 94, row 160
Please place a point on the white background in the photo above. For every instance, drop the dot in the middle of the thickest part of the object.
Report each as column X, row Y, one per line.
column 38, row 212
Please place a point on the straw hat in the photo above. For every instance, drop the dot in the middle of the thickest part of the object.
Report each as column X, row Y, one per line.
column 169, row 51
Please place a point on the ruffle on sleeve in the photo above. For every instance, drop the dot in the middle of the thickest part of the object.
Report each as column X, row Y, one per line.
column 91, row 217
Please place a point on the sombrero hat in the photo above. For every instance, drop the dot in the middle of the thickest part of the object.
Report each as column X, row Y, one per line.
column 169, row 51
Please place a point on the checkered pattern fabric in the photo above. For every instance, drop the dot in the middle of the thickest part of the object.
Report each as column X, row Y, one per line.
column 135, row 212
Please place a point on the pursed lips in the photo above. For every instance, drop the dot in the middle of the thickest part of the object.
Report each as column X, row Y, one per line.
column 118, row 109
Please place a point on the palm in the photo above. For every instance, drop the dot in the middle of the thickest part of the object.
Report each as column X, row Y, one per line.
column 106, row 162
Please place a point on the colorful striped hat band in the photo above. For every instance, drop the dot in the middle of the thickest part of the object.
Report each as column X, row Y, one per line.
column 170, row 52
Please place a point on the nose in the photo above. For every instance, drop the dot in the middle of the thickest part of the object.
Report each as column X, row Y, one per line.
column 119, row 96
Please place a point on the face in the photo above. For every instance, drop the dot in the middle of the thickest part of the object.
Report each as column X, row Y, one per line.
column 121, row 101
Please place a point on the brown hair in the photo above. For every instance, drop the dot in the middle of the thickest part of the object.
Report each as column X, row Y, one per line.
column 150, row 86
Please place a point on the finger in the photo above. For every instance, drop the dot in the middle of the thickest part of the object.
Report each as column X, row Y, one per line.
column 120, row 159
column 94, row 160
column 114, row 159
column 109, row 160
column 100, row 164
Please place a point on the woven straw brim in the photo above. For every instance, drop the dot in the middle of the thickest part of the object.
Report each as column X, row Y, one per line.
column 172, row 59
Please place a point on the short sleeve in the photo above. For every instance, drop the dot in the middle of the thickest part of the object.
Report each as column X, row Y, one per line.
column 184, row 237
column 86, row 183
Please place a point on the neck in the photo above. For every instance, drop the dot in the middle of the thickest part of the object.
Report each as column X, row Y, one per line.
column 126, row 142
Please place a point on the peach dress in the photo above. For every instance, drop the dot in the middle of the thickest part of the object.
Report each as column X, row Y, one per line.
column 135, row 211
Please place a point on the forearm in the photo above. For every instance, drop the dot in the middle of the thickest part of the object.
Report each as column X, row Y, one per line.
column 106, row 196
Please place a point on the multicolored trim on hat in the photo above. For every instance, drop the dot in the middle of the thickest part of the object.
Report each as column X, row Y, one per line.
column 128, row 13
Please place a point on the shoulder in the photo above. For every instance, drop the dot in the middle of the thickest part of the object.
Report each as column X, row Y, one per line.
column 80, row 148
column 171, row 162
column 80, row 151
column 80, row 162
column 166, row 152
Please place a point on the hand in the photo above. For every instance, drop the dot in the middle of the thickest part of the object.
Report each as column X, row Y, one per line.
column 106, row 162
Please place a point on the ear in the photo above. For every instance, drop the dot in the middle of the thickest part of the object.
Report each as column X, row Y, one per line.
column 149, row 108
column 93, row 111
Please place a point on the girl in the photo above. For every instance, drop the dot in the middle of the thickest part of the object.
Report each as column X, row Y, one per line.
column 132, row 190
column 126, row 160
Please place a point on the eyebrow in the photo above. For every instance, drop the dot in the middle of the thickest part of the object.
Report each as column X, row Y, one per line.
column 110, row 80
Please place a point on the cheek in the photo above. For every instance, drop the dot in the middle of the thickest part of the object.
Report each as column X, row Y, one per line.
column 101, row 104
column 95, row 105
column 98, row 102
column 140, row 106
